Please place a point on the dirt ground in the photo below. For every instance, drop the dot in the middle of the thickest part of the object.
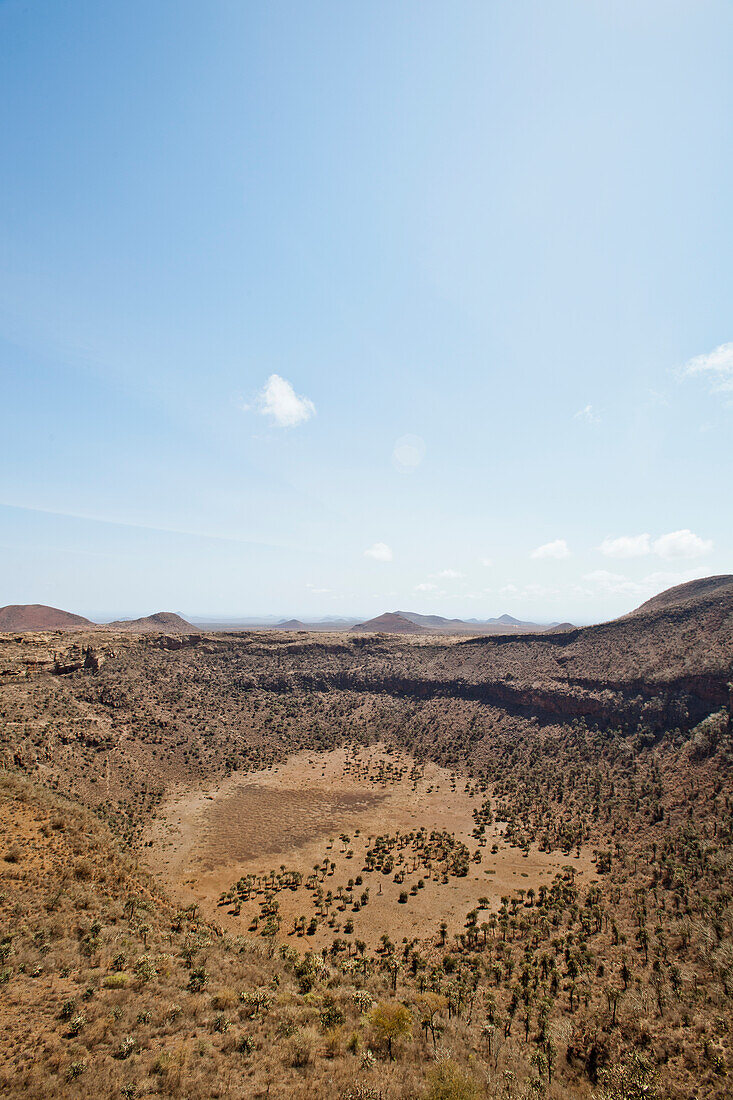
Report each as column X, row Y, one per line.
column 293, row 816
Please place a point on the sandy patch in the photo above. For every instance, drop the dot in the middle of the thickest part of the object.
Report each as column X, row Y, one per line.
column 293, row 816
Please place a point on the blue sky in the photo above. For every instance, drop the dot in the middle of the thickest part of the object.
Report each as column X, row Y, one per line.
column 332, row 308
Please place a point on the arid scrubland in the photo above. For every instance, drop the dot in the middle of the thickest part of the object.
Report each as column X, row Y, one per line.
column 573, row 793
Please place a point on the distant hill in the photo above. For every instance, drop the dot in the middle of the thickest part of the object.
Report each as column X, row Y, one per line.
column 435, row 621
column 502, row 624
column 436, row 624
column 165, row 622
column 392, row 622
column 37, row 616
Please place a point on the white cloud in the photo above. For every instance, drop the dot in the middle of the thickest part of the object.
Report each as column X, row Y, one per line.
column 528, row 591
column 581, row 592
column 716, row 366
column 408, row 453
column 613, row 583
column 603, row 576
column 532, row 591
column 487, row 562
column 674, row 545
column 557, row 549
column 616, row 584
column 380, row 552
column 657, row 582
column 278, row 399
column 626, row 546
column 681, row 544
column 449, row 574
column 314, row 588
column 426, row 587
column 588, row 414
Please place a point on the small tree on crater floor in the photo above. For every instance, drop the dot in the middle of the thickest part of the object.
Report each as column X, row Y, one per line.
column 391, row 1021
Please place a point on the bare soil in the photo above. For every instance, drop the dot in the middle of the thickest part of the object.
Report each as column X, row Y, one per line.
column 292, row 816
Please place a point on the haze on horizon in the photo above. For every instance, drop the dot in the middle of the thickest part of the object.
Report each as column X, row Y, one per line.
column 316, row 310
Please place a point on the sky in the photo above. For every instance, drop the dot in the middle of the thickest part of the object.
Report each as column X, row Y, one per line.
column 330, row 309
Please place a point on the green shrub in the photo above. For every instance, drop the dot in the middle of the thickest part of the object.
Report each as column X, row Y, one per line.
column 331, row 1016
column 116, row 981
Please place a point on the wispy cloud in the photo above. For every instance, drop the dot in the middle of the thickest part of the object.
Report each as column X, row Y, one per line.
column 616, row 584
column 426, row 587
column 449, row 574
column 487, row 562
column 379, row 551
column 90, row 517
column 626, row 546
column 278, row 400
column 716, row 367
column 588, row 414
column 556, row 549
column 408, row 453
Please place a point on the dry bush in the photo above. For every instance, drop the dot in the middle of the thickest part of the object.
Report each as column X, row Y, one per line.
column 300, row 1048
